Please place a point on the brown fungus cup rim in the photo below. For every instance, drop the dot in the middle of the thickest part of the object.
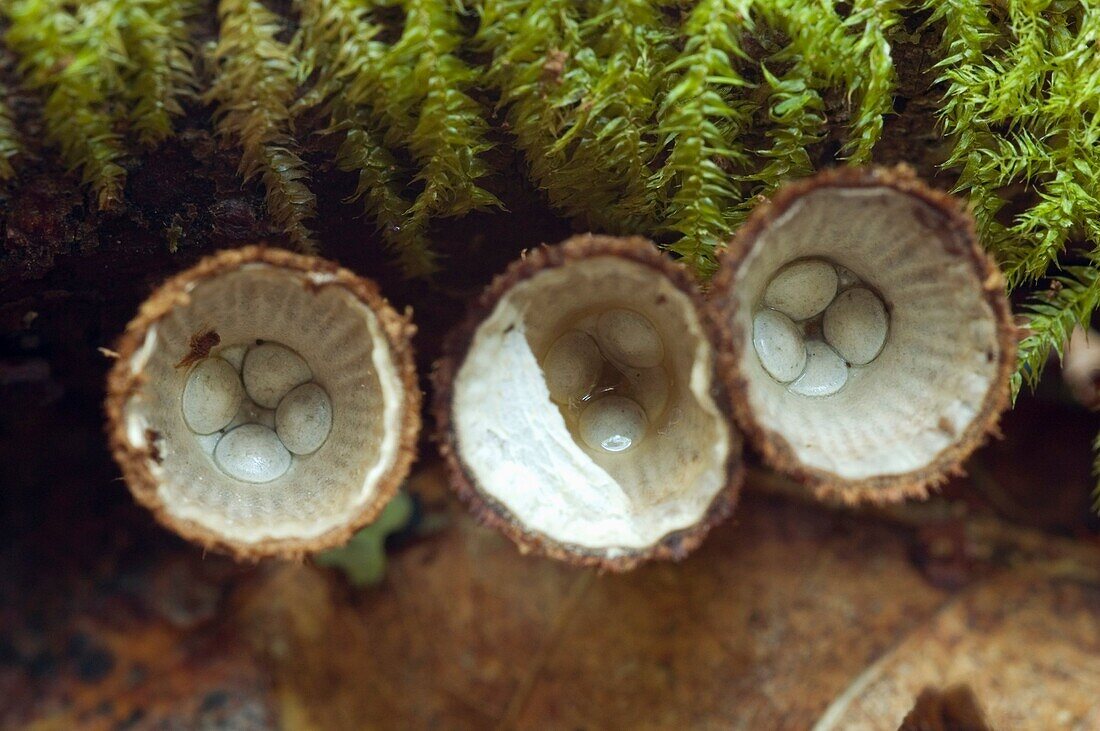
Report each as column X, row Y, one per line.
column 955, row 220
column 123, row 384
column 675, row 545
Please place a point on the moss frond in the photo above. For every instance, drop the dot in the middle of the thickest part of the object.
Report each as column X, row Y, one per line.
column 255, row 81
column 796, row 112
column 534, row 46
column 444, row 129
column 1050, row 318
column 10, row 145
column 160, row 73
column 968, row 30
column 805, row 50
column 701, row 129
column 342, row 53
column 1022, row 100
column 409, row 97
column 75, row 59
column 613, row 129
column 379, row 187
column 653, row 116
column 1023, row 107
column 579, row 83
column 598, row 97
column 874, row 78
column 825, row 52
column 338, row 49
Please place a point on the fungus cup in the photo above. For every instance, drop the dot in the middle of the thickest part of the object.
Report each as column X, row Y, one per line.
column 872, row 342
column 580, row 410
column 264, row 403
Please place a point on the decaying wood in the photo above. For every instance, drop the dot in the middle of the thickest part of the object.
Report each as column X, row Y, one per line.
column 790, row 615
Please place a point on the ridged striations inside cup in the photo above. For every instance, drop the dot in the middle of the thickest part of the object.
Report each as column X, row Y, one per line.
column 899, row 416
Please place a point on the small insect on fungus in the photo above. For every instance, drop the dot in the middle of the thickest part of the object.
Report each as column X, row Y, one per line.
column 281, row 428
column 872, row 343
column 202, row 342
column 579, row 406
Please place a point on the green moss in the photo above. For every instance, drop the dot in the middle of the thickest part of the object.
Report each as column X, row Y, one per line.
column 10, row 145
column 105, row 69
column 872, row 78
column 160, row 73
column 638, row 116
column 530, row 43
column 615, row 125
column 404, row 100
column 75, row 58
column 1023, row 94
column 423, row 89
column 1022, row 106
column 702, row 124
column 1052, row 316
column 659, row 117
column 343, row 60
column 255, row 82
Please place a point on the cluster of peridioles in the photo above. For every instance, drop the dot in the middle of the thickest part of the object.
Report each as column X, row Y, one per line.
column 606, row 373
column 816, row 321
column 590, row 404
column 256, row 408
